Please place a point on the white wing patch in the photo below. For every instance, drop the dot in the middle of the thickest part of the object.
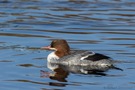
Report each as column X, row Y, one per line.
column 90, row 54
column 84, row 57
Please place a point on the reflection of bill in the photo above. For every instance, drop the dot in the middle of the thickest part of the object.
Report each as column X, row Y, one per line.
column 59, row 74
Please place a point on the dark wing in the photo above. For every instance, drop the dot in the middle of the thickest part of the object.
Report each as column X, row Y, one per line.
column 96, row 57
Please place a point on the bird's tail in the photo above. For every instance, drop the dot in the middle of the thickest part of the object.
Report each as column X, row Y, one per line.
column 117, row 68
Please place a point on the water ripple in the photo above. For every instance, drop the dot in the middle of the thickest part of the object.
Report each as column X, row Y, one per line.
column 104, row 26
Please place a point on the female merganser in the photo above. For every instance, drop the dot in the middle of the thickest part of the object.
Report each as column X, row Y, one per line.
column 63, row 55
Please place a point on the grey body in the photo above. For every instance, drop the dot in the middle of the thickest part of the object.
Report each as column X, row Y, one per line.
column 83, row 58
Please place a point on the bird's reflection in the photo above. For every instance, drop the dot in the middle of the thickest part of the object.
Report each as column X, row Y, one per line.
column 61, row 72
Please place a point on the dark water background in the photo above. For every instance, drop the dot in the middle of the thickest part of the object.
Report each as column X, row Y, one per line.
column 104, row 26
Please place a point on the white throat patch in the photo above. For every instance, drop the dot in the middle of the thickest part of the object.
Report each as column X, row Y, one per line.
column 52, row 57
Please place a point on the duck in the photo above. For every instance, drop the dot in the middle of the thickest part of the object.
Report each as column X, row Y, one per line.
column 62, row 54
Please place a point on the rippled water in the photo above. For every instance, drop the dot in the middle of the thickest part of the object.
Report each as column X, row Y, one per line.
column 104, row 26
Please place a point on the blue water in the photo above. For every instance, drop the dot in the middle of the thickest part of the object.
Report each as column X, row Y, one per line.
column 103, row 26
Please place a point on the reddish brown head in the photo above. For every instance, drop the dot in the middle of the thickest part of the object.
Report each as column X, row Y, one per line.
column 60, row 46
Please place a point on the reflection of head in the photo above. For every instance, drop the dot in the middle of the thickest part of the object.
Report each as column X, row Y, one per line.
column 59, row 75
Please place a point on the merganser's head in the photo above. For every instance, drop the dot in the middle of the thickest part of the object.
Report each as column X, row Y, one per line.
column 60, row 47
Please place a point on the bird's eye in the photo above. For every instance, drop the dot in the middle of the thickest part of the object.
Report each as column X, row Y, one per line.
column 52, row 44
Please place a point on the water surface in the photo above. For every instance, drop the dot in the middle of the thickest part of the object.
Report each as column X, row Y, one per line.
column 103, row 26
